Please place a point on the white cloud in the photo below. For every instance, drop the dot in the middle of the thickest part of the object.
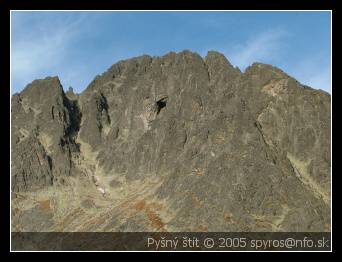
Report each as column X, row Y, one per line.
column 38, row 53
column 39, row 50
column 269, row 47
column 260, row 47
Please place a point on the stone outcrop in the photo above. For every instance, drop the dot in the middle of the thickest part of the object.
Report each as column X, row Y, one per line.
column 177, row 143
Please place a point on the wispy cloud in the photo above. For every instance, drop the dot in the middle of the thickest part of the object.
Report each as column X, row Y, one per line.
column 38, row 53
column 271, row 47
column 40, row 50
column 78, row 45
column 265, row 46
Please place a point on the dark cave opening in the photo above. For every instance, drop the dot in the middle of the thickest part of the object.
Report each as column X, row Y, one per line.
column 160, row 104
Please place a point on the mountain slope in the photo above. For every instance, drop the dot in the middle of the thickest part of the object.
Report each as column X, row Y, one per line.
column 172, row 143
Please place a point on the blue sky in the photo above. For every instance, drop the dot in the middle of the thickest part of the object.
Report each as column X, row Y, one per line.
column 77, row 46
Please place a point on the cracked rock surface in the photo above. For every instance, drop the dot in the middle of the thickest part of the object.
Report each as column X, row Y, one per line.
column 172, row 143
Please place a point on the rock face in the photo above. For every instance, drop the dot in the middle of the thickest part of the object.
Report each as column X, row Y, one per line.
column 172, row 143
column 44, row 123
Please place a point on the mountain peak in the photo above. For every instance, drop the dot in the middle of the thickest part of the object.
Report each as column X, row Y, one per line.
column 217, row 57
column 172, row 143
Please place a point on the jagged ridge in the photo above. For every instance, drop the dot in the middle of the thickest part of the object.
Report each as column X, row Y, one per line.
column 214, row 148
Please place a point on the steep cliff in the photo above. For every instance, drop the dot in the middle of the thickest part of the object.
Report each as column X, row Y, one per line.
column 172, row 143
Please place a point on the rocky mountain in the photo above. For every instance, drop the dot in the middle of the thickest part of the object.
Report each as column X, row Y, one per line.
column 172, row 143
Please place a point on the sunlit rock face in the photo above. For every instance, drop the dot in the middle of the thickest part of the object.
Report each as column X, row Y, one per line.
column 172, row 143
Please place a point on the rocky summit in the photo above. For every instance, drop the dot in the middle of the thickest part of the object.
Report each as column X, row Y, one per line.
column 172, row 143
